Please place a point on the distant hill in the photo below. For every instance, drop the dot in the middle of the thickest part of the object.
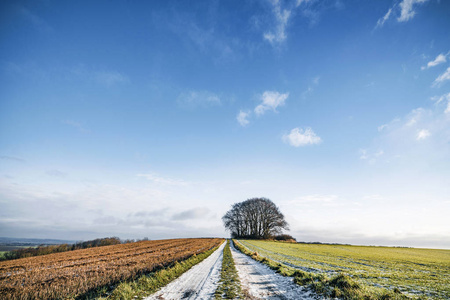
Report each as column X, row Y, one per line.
column 32, row 242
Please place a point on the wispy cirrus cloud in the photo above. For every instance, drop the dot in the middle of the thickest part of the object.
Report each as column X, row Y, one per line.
column 405, row 11
column 383, row 20
column 382, row 127
column 299, row 137
column 440, row 59
column 163, row 180
column 282, row 15
column 442, row 78
column 439, row 99
column 371, row 157
column 421, row 136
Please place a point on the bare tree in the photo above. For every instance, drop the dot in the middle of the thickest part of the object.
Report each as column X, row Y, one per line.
column 257, row 218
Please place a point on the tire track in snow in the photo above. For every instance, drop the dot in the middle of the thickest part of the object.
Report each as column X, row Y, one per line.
column 258, row 281
column 199, row 282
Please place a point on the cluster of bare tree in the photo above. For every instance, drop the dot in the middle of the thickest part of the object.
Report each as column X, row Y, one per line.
column 256, row 218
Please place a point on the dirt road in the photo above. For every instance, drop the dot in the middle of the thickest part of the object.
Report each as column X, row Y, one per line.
column 257, row 280
column 260, row 282
column 200, row 282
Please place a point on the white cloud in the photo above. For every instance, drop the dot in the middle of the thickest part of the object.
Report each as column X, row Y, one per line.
column 81, row 211
column 198, row 98
column 441, row 78
column 301, row 137
column 381, row 127
column 299, row 2
column 363, row 153
column 384, row 19
column 423, row 134
column 370, row 157
column 242, row 118
column 441, row 58
column 164, row 180
column 282, row 18
column 270, row 100
column 403, row 139
column 439, row 99
column 407, row 9
column 404, row 8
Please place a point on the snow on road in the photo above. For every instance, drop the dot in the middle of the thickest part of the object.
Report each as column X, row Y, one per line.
column 258, row 281
column 200, row 282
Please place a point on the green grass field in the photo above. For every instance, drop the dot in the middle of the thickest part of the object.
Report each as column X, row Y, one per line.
column 415, row 272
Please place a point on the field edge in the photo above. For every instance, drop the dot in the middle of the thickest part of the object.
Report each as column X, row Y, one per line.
column 338, row 286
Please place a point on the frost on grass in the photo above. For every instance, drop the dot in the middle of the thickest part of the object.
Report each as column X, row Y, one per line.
column 398, row 273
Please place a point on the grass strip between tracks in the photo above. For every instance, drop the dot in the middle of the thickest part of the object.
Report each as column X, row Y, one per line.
column 229, row 285
column 339, row 286
column 148, row 284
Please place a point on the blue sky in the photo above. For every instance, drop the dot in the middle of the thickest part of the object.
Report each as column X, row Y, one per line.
column 149, row 119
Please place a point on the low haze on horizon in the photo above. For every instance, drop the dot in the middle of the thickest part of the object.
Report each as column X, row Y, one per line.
column 151, row 118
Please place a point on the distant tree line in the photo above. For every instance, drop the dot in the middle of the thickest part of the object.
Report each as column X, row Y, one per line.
column 44, row 250
column 256, row 218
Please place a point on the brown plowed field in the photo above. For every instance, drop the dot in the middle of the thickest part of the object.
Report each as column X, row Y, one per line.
column 73, row 273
